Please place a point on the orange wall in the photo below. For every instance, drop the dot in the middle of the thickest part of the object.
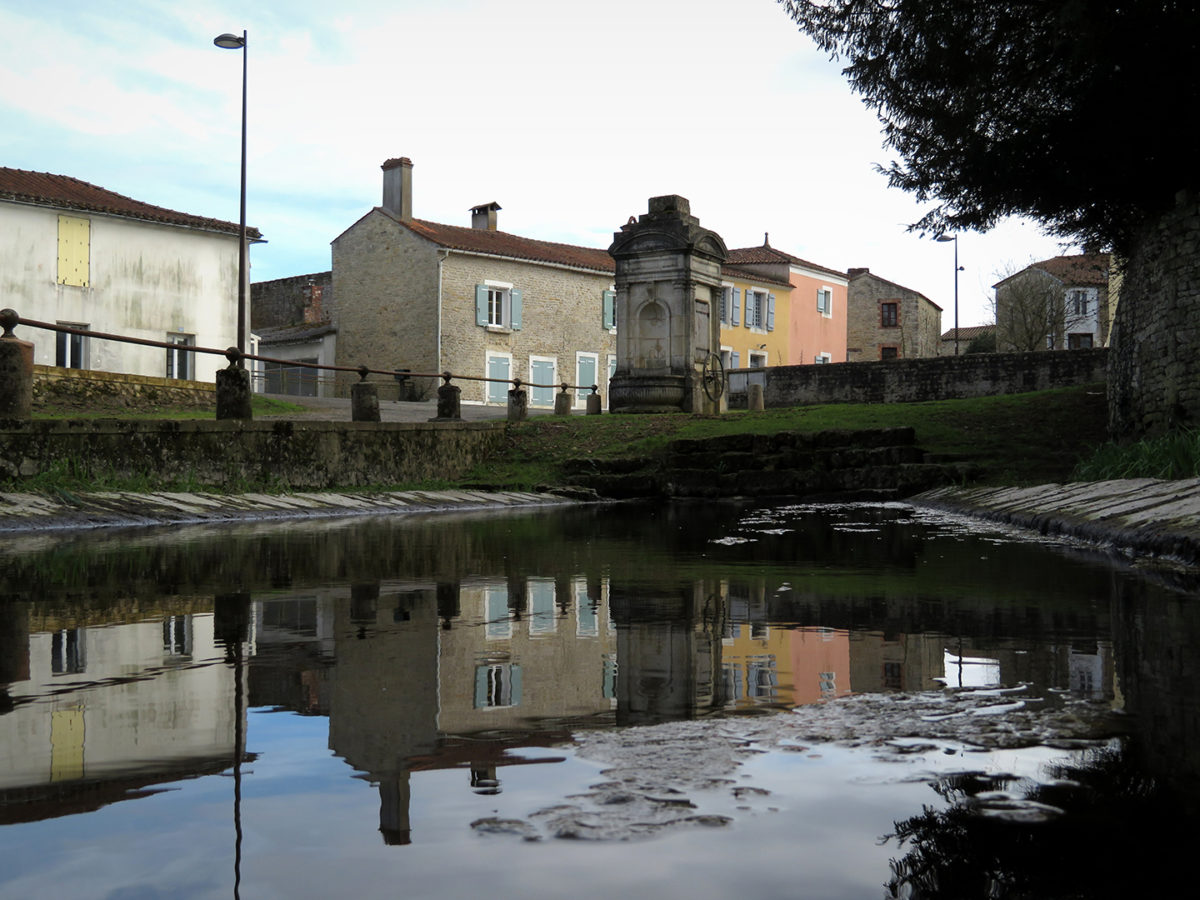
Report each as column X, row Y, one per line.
column 811, row 332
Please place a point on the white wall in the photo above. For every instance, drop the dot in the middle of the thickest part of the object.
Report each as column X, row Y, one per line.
column 145, row 280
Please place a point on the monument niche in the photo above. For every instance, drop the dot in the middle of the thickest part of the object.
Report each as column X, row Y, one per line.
column 668, row 298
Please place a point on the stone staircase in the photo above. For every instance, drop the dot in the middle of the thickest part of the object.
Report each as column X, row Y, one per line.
column 878, row 464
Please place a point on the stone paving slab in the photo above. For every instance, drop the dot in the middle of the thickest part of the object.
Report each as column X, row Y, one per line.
column 1140, row 517
column 36, row 512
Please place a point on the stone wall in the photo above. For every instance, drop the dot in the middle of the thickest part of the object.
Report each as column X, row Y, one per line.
column 83, row 389
column 1154, row 367
column 290, row 301
column 918, row 328
column 941, row 378
column 286, row 454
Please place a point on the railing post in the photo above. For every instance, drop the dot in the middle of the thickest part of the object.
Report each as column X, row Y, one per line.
column 754, row 396
column 364, row 399
column 16, row 371
column 593, row 401
column 518, row 402
column 449, row 402
column 233, row 388
column 562, row 402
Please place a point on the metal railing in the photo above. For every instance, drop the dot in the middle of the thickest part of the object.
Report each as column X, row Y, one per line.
column 9, row 320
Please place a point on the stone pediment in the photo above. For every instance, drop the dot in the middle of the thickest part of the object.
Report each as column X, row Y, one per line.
column 668, row 227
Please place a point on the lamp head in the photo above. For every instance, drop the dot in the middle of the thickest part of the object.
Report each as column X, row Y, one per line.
column 230, row 41
column 943, row 238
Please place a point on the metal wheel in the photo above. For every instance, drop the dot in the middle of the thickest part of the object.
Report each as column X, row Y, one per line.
column 712, row 376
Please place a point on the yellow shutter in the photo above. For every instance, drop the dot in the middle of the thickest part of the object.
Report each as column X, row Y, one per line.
column 74, row 250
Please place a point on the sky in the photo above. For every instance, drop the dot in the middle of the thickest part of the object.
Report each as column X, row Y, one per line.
column 569, row 115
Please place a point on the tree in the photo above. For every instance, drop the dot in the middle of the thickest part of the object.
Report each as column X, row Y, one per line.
column 1029, row 305
column 982, row 343
column 1076, row 113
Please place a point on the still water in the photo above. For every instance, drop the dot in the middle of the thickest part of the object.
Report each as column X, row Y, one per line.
column 699, row 701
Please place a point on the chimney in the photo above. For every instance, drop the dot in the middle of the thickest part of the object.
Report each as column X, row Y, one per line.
column 854, row 273
column 483, row 217
column 397, row 187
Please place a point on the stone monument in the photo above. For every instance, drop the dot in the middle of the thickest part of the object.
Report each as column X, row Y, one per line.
column 668, row 313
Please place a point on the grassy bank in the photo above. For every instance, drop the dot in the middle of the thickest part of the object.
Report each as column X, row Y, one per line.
column 1017, row 439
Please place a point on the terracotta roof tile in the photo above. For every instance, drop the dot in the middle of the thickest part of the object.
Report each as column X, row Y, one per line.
column 501, row 243
column 65, row 192
column 1083, row 268
column 767, row 254
column 968, row 332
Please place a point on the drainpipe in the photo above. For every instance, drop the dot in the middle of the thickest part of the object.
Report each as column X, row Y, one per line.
column 442, row 256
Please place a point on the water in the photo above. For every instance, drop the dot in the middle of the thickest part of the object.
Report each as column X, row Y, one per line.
column 691, row 701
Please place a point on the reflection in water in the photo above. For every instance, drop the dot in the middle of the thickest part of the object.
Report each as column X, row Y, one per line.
column 475, row 644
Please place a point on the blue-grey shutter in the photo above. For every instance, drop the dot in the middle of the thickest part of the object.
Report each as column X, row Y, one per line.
column 749, row 299
column 736, row 307
column 734, row 360
column 610, row 310
column 515, row 305
column 481, row 310
column 515, row 683
column 481, row 687
column 770, row 312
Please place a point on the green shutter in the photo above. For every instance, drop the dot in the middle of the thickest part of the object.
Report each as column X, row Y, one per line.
column 481, row 305
column 610, row 310
column 515, row 302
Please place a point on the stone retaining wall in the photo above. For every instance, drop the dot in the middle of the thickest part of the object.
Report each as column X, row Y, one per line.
column 85, row 389
column 940, row 378
column 285, row 454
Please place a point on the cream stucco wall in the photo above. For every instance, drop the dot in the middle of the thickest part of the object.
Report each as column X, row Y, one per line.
column 145, row 280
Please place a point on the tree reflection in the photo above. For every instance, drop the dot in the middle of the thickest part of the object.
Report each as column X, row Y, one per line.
column 1097, row 829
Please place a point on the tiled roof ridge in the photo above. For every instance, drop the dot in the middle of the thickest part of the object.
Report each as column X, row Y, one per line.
column 897, row 285
column 503, row 243
column 68, row 192
column 769, row 254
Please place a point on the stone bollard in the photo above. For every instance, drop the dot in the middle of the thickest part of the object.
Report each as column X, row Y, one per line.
column 233, row 388
column 754, row 397
column 364, row 399
column 518, row 403
column 16, row 371
column 593, row 401
column 562, row 402
column 449, row 402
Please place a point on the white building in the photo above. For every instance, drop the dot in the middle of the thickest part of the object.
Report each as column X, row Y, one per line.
column 75, row 254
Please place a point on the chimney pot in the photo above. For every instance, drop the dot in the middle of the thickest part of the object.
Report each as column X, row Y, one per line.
column 483, row 217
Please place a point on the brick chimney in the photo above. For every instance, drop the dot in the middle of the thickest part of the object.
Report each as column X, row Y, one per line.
column 483, row 217
column 397, row 187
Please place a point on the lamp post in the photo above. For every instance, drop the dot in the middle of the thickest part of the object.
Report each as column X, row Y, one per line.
column 957, row 268
column 233, row 42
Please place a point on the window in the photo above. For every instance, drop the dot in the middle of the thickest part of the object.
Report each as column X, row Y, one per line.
column 587, row 622
column 177, row 636
column 610, row 310
column 499, row 366
column 542, row 614
column 1077, row 302
column 1049, row 342
column 889, row 315
column 587, row 367
column 542, row 370
column 1079, row 342
column 757, row 360
column 71, row 349
column 726, row 303
column 760, row 310
column 74, row 250
column 497, row 685
column 822, row 358
column 179, row 360
column 67, row 656
column 825, row 301
column 498, row 622
column 498, row 305
column 889, row 352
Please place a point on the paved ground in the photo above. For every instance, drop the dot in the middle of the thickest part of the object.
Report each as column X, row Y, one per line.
column 338, row 409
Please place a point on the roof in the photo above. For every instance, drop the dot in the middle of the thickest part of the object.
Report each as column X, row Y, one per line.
column 867, row 273
column 768, row 255
column 284, row 334
column 756, row 277
column 1081, row 269
column 65, row 192
column 501, row 243
column 968, row 333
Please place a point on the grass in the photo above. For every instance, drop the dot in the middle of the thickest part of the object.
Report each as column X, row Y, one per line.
column 1169, row 456
column 259, row 405
column 1015, row 439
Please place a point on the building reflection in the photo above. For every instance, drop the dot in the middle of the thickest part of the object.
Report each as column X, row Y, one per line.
column 475, row 674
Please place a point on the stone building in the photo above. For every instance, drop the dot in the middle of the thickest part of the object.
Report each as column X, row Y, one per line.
column 816, row 323
column 292, row 319
column 1056, row 304
column 75, row 254
column 474, row 301
column 888, row 321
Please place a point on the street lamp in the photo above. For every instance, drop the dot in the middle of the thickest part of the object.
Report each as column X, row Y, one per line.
column 957, row 268
column 233, row 42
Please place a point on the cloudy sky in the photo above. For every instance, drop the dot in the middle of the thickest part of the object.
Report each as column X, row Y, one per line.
column 569, row 115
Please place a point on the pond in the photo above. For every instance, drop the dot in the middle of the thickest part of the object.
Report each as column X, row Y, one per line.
column 693, row 701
